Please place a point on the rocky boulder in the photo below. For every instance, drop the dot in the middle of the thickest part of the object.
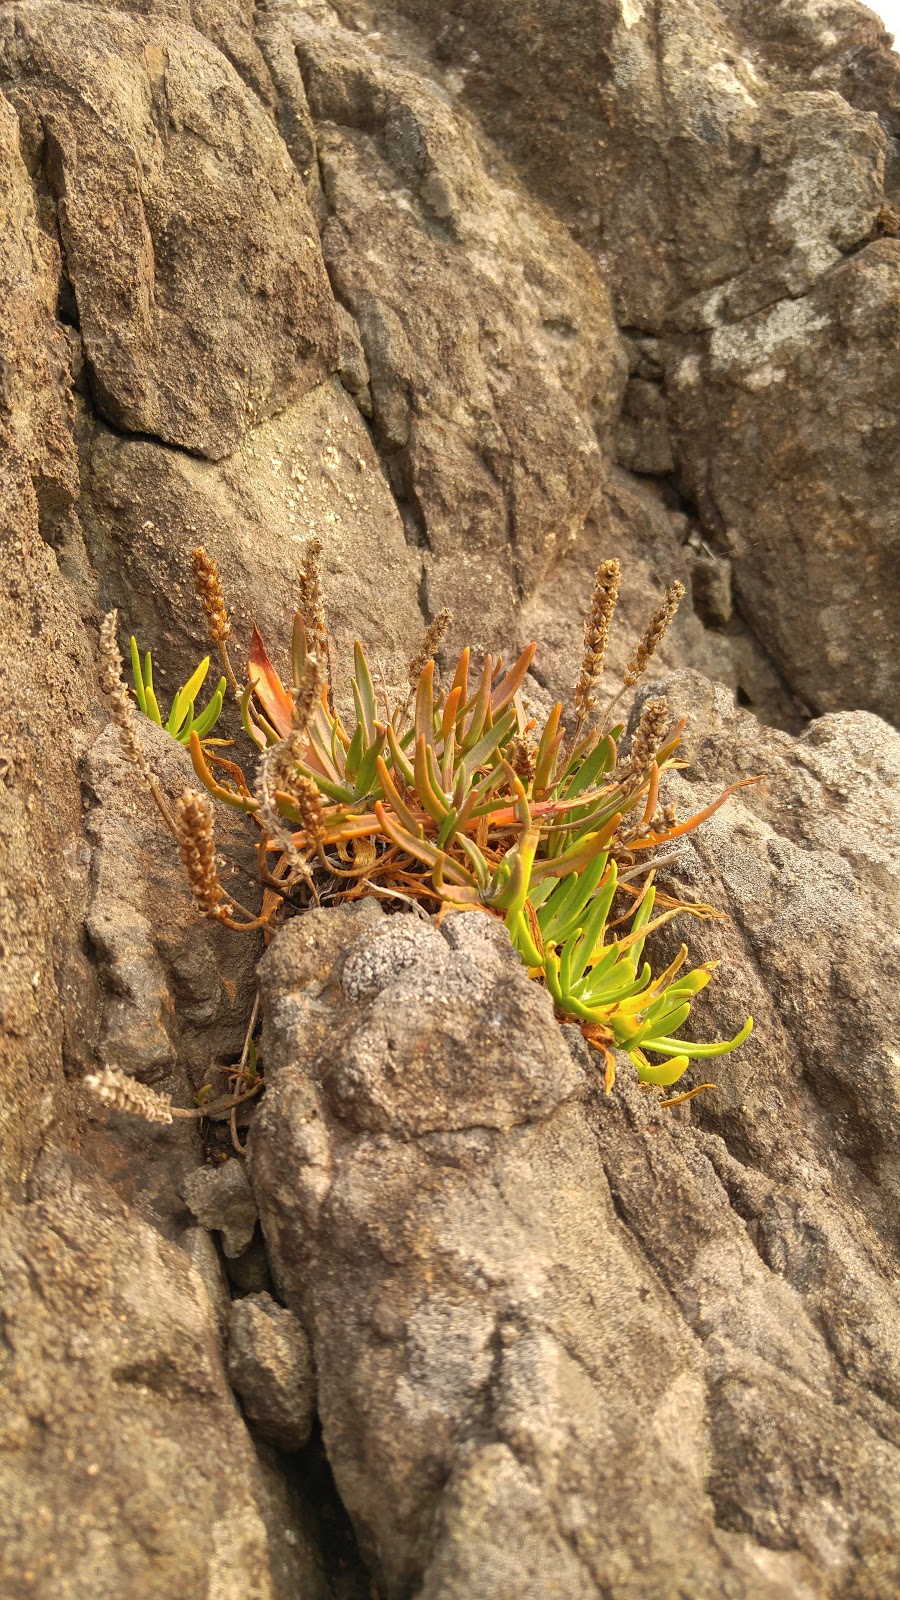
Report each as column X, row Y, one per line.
column 579, row 1344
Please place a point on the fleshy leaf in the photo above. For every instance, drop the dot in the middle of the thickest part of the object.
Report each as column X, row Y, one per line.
column 268, row 687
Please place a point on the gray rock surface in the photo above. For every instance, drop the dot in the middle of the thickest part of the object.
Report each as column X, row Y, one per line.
column 200, row 1249
column 311, row 470
column 380, row 271
column 798, row 478
column 177, row 988
column 188, row 246
column 222, row 1200
column 528, row 1303
column 270, row 1367
column 489, row 436
column 44, row 703
column 806, row 864
column 170, row 992
column 125, row 1467
column 728, row 166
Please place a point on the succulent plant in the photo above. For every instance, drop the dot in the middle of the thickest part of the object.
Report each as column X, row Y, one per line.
column 182, row 720
column 451, row 797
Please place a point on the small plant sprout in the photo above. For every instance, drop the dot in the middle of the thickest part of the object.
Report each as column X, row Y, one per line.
column 183, row 719
column 449, row 797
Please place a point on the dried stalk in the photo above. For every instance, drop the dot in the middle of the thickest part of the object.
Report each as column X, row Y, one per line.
column 311, row 604
column 122, row 1093
column 654, row 634
column 122, row 712
column 596, row 638
column 197, row 848
column 649, row 737
column 208, row 587
column 431, row 639
column 277, row 770
column 649, row 643
column 521, row 754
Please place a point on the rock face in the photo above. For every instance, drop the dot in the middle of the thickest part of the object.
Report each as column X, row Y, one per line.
column 769, row 454
column 527, row 1302
column 480, row 294
column 269, row 1367
column 188, row 248
column 312, row 470
column 805, row 865
column 720, row 162
column 494, row 429
column 126, row 1469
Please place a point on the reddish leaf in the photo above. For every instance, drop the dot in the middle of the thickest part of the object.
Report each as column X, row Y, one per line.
column 268, row 687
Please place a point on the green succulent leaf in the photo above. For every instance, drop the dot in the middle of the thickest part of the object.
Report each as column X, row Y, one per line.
column 667, row 1073
column 701, row 1052
column 204, row 724
column 138, row 676
column 186, row 696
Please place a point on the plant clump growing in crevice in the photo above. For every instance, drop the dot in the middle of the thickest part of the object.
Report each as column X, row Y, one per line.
column 450, row 798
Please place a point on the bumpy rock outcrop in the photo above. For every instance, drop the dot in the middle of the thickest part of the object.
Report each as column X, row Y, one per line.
column 576, row 1345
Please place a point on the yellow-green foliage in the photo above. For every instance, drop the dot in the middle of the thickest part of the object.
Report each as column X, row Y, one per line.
column 182, row 720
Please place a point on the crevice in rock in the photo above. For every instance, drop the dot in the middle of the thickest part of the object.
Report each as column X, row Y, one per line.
column 309, row 1473
column 717, row 603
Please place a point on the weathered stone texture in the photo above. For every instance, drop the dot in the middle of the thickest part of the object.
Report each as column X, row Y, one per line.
column 481, row 294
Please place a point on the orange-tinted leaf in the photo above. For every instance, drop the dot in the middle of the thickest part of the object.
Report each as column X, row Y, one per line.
column 513, row 681
column 268, row 687
column 654, row 839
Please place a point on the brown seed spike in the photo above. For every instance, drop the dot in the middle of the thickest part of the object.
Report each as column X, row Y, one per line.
column 653, row 635
column 649, row 736
column 311, row 808
column 117, row 697
column 209, row 593
column 304, row 697
column 122, row 712
column 521, row 753
column 122, row 1093
column 432, row 637
column 197, row 847
column 310, row 603
column 596, row 638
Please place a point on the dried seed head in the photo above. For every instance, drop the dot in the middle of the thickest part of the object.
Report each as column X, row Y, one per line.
column 122, row 711
column 648, row 737
column 209, row 593
column 653, row 635
column 596, row 637
column 117, row 696
column 305, row 696
column 310, row 603
column 432, row 637
column 277, row 770
column 197, row 846
column 668, row 816
column 116, row 1089
column 312, row 809
column 521, row 753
